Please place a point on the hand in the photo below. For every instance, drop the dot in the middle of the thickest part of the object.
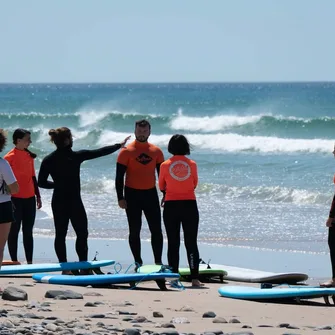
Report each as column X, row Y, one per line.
column 123, row 143
column 38, row 203
column 123, row 204
column 329, row 222
column 163, row 201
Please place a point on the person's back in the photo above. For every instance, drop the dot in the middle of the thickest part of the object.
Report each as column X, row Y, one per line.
column 64, row 166
column 179, row 178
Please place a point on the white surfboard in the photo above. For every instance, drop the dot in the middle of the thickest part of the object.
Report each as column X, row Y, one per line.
column 257, row 276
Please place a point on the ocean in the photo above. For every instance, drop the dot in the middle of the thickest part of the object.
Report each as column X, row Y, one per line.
column 264, row 153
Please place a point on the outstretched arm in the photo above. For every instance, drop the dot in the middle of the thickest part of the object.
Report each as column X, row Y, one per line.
column 91, row 154
column 85, row 155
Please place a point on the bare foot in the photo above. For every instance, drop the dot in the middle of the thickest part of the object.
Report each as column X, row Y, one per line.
column 329, row 283
column 67, row 272
column 196, row 283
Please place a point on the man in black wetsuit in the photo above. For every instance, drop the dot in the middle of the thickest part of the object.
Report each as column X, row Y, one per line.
column 64, row 167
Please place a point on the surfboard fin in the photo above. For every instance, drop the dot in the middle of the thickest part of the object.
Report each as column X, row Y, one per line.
column 95, row 256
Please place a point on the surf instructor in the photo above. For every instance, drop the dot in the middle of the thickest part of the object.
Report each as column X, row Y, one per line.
column 139, row 162
column 63, row 165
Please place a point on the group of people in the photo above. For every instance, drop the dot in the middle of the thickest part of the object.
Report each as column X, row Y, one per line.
column 135, row 183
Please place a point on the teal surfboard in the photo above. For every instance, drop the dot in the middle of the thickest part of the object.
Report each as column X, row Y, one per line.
column 105, row 279
column 185, row 273
column 51, row 267
column 281, row 292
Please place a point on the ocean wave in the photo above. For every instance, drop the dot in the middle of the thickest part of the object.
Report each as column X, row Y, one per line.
column 235, row 143
column 229, row 143
column 263, row 123
column 274, row 194
column 258, row 122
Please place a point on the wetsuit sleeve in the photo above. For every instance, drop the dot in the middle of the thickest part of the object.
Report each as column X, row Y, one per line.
column 332, row 209
column 161, row 179
column 85, row 155
column 158, row 168
column 37, row 191
column 119, row 180
column 43, row 176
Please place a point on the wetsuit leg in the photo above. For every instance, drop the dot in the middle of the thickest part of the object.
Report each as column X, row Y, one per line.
column 28, row 221
column 172, row 223
column 61, row 213
column 134, row 216
column 15, row 228
column 80, row 225
column 331, row 244
column 190, row 224
column 152, row 212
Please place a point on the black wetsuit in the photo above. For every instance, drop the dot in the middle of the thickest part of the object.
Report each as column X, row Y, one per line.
column 331, row 237
column 64, row 167
column 139, row 201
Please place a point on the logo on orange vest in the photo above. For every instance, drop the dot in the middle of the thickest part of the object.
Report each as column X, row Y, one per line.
column 144, row 159
column 180, row 170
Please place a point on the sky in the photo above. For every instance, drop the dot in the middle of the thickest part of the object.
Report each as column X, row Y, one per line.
column 166, row 41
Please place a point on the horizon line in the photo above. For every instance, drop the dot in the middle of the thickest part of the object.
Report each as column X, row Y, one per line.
column 161, row 82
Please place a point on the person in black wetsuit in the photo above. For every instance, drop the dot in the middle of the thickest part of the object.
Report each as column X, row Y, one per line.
column 63, row 165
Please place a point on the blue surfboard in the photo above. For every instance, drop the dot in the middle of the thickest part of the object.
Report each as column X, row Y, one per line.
column 105, row 279
column 51, row 267
column 254, row 293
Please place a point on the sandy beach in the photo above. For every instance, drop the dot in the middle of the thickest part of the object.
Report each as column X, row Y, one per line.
column 108, row 311
column 116, row 310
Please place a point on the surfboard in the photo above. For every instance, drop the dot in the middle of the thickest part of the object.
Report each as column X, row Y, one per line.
column 256, row 276
column 106, row 279
column 185, row 273
column 51, row 267
column 254, row 293
column 8, row 262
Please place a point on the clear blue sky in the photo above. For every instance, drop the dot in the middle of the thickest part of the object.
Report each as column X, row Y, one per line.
column 164, row 41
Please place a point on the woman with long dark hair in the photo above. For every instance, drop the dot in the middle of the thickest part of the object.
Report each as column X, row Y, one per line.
column 178, row 179
column 63, row 165
column 27, row 199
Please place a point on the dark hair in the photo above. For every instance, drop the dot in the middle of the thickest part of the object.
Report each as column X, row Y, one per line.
column 179, row 145
column 59, row 136
column 19, row 134
column 143, row 123
column 3, row 139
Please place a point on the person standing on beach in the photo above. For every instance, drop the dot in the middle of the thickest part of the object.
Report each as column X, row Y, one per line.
column 330, row 223
column 8, row 187
column 177, row 180
column 27, row 199
column 138, row 162
column 63, row 165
